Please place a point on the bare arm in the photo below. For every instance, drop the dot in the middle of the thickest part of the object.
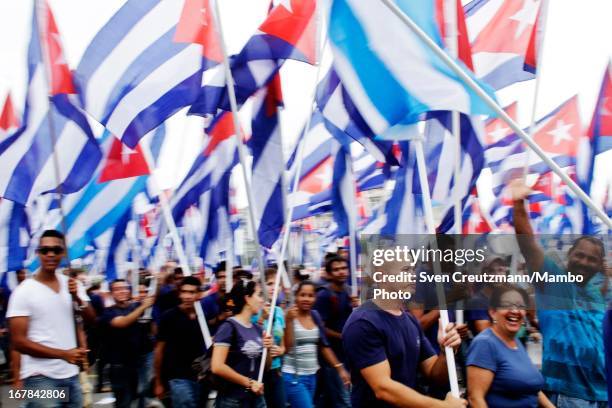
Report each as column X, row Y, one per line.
column 479, row 381
column 16, row 367
column 425, row 319
column 21, row 343
column 531, row 250
column 333, row 334
column 378, row 377
column 543, row 401
column 121, row 322
column 220, row 368
column 435, row 369
column 157, row 367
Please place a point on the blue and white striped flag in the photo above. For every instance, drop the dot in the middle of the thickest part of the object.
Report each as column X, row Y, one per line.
column 118, row 249
column 268, row 164
column 135, row 73
column 28, row 167
column 390, row 74
column 343, row 193
column 14, row 235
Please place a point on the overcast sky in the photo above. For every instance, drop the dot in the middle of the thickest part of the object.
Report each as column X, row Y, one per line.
column 577, row 48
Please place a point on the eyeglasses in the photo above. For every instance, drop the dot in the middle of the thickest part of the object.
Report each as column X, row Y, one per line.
column 56, row 250
column 512, row 306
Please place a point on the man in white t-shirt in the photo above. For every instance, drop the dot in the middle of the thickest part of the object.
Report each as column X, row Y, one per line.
column 42, row 325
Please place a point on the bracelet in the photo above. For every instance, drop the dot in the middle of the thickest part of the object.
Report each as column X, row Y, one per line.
column 338, row 365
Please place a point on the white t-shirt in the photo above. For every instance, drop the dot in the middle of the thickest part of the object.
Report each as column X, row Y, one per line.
column 51, row 324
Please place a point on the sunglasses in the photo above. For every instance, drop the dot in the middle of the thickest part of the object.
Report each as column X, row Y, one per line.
column 56, row 250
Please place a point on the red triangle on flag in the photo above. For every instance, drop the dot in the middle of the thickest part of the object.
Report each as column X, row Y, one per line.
column 463, row 42
column 61, row 77
column 8, row 116
column 123, row 162
column 197, row 25
column 220, row 130
column 294, row 21
column 496, row 129
column 560, row 132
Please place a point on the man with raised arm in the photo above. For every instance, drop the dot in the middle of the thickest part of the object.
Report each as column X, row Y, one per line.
column 570, row 314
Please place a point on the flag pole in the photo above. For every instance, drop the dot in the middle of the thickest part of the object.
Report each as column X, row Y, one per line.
column 51, row 123
column 178, row 245
column 352, row 227
column 229, row 80
column 452, row 43
column 431, row 229
column 536, row 93
column 491, row 103
column 296, row 182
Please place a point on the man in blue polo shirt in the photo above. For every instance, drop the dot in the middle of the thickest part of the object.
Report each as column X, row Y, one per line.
column 571, row 315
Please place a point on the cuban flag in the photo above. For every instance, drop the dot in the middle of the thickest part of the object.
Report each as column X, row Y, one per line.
column 402, row 212
column 535, row 41
column 439, row 149
column 369, row 173
column 342, row 117
column 268, row 165
column 343, row 192
column 14, row 235
column 289, row 32
column 600, row 130
column 216, row 228
column 98, row 207
column 27, row 156
column 464, row 49
column 558, row 134
column 371, row 46
column 474, row 220
column 9, row 122
column 219, row 157
column 500, row 33
column 143, row 66
column 118, row 251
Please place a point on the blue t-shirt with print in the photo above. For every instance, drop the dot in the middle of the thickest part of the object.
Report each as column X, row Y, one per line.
column 517, row 381
column 372, row 335
column 571, row 322
column 245, row 348
column 278, row 331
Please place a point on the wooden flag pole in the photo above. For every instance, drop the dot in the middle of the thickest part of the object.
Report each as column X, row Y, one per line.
column 491, row 103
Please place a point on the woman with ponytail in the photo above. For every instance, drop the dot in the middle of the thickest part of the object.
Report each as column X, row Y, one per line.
column 238, row 346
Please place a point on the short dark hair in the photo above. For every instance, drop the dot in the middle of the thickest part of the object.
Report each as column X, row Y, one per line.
column 270, row 273
column 501, row 290
column 118, row 280
column 51, row 233
column 332, row 260
column 238, row 293
column 190, row 280
column 592, row 240
column 178, row 271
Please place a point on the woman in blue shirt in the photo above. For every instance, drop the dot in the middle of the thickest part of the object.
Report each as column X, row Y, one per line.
column 499, row 370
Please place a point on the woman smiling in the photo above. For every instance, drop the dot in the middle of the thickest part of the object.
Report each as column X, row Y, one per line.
column 499, row 371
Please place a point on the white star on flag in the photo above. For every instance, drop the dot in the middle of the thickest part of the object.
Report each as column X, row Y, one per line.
column 561, row 132
column 526, row 16
column 498, row 133
column 126, row 152
column 60, row 60
column 325, row 176
column 203, row 16
column 286, row 4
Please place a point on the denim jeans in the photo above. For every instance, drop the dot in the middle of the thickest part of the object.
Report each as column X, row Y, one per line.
column 75, row 397
column 333, row 392
column 223, row 401
column 300, row 389
column 564, row 401
column 184, row 393
column 145, row 375
column 124, row 381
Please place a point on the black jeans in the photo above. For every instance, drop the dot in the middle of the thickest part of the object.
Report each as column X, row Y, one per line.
column 124, row 382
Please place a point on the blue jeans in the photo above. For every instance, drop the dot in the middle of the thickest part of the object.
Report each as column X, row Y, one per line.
column 300, row 389
column 184, row 393
column 223, row 401
column 333, row 393
column 124, row 380
column 564, row 401
column 75, row 397
column 145, row 374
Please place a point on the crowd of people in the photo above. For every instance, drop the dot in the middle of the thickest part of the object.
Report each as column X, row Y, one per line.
column 325, row 348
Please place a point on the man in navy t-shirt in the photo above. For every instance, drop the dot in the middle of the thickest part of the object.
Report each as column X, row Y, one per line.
column 385, row 348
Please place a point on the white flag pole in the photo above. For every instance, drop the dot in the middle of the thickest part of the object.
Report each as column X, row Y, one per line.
column 540, row 33
column 497, row 109
column 431, row 229
column 229, row 80
column 452, row 43
column 296, row 182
